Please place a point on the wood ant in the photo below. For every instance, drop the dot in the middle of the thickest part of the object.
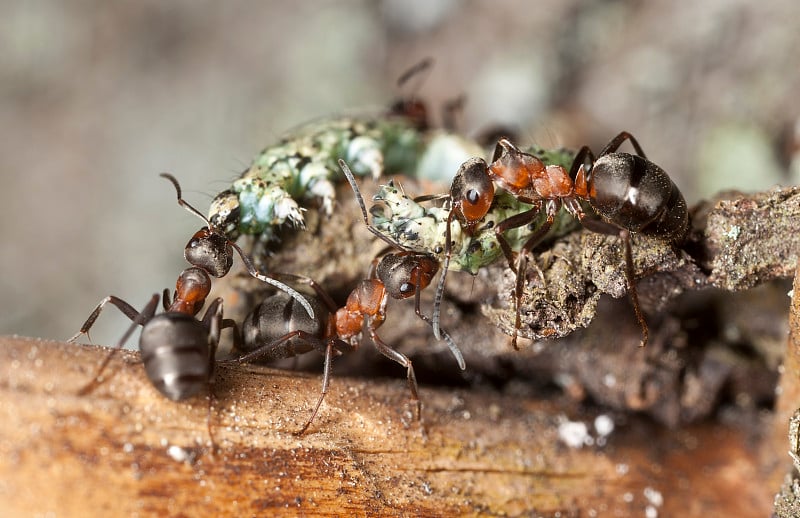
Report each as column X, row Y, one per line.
column 412, row 107
column 177, row 349
column 277, row 328
column 405, row 273
column 628, row 192
column 212, row 250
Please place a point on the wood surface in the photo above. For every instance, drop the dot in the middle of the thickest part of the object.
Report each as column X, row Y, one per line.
column 124, row 450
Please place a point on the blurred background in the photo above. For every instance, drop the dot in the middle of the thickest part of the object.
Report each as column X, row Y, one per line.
column 97, row 98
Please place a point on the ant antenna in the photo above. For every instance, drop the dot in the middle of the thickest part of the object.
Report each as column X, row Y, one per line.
column 451, row 345
column 437, row 299
column 351, row 179
column 251, row 269
column 423, row 66
column 183, row 203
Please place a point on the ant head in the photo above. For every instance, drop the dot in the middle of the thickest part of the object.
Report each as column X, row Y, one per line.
column 472, row 191
column 405, row 273
column 209, row 248
column 192, row 288
column 211, row 251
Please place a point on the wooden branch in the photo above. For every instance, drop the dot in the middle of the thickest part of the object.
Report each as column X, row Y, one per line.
column 123, row 449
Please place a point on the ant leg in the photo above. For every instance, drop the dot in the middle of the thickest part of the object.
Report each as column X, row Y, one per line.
column 451, row 110
column 326, row 376
column 437, row 299
column 128, row 310
column 308, row 281
column 272, row 351
column 273, row 282
column 522, row 267
column 445, row 336
column 431, row 197
column 138, row 318
column 601, row 227
column 517, row 221
column 625, row 235
column 620, row 139
column 165, row 299
column 403, row 360
column 212, row 319
column 522, row 260
column 237, row 335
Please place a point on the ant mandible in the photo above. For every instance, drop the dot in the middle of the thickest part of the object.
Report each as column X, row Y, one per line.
column 628, row 192
column 177, row 349
column 210, row 249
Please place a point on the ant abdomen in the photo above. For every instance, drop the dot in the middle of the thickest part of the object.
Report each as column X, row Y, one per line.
column 277, row 316
column 636, row 194
column 175, row 353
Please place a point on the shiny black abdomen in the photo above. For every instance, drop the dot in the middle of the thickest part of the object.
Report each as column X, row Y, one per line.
column 634, row 193
column 278, row 315
column 175, row 353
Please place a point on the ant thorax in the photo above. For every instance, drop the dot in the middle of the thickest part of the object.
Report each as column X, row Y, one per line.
column 559, row 156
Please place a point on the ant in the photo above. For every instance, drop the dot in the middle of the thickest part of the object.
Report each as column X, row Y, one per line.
column 405, row 273
column 177, row 349
column 212, row 250
column 411, row 107
column 628, row 192
column 277, row 328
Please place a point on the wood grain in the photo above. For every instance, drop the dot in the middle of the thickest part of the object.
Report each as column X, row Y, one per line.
column 125, row 450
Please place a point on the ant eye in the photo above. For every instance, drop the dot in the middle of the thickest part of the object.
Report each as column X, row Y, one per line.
column 406, row 288
column 472, row 196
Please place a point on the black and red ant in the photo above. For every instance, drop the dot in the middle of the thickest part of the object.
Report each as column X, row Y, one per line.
column 277, row 328
column 177, row 349
column 405, row 273
column 627, row 191
column 212, row 250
